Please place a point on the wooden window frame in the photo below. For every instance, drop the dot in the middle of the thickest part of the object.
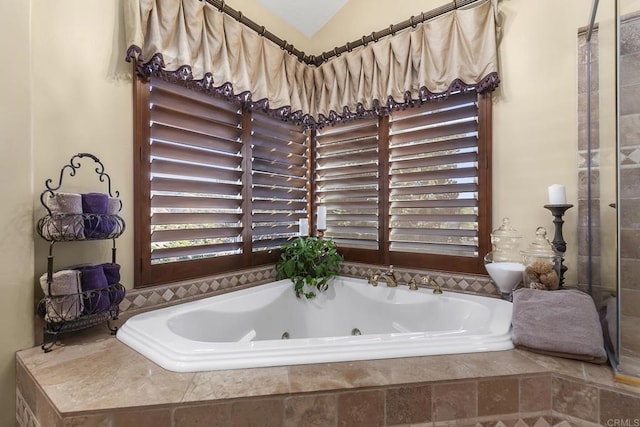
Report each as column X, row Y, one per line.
column 146, row 274
column 458, row 264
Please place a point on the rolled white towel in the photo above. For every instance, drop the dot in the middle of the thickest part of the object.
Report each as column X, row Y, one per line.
column 114, row 206
column 64, row 203
column 63, row 302
column 66, row 220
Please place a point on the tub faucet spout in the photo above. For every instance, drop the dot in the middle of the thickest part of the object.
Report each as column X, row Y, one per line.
column 390, row 277
column 387, row 276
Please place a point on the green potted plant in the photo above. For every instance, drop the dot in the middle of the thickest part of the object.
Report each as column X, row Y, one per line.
column 309, row 262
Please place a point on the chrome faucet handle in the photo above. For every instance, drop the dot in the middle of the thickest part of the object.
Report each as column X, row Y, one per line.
column 427, row 280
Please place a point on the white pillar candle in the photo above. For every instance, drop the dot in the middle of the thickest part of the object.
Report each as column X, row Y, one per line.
column 321, row 223
column 303, row 227
column 557, row 195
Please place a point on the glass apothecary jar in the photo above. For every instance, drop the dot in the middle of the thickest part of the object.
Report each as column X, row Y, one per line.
column 504, row 262
column 540, row 263
column 505, row 241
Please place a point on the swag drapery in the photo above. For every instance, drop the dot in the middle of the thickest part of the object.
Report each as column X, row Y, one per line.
column 192, row 41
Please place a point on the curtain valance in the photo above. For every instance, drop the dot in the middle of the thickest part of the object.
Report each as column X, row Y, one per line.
column 193, row 41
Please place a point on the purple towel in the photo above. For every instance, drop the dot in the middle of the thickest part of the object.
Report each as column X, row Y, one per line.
column 95, row 203
column 116, row 295
column 95, row 206
column 93, row 279
column 112, row 273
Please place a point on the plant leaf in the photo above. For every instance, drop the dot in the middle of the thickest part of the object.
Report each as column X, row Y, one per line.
column 309, row 261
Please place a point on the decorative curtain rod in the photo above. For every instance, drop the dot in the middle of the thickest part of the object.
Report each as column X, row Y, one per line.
column 337, row 51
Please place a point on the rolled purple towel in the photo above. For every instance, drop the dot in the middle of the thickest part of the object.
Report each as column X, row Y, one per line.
column 95, row 206
column 112, row 273
column 116, row 294
column 95, row 203
column 92, row 278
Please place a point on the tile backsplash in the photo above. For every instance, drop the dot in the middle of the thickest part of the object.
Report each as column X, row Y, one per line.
column 143, row 299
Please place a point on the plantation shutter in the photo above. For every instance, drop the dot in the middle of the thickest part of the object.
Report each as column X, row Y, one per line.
column 346, row 179
column 279, row 176
column 196, row 175
column 433, row 178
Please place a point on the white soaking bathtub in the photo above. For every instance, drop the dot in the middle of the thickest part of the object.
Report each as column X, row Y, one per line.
column 268, row 326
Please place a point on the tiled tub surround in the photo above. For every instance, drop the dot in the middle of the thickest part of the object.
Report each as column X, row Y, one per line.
column 98, row 381
column 93, row 379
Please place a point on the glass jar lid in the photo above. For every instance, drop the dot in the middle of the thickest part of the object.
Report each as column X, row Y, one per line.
column 540, row 247
column 505, row 241
column 505, row 231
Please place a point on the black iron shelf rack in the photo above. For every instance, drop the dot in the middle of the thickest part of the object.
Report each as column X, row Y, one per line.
column 81, row 310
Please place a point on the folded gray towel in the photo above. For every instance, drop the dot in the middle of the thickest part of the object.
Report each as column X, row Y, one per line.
column 64, row 203
column 114, row 206
column 64, row 302
column 66, row 217
column 562, row 323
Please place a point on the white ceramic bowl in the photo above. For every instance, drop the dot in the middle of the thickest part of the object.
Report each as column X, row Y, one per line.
column 505, row 275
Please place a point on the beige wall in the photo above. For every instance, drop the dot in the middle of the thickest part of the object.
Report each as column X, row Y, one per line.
column 629, row 6
column 82, row 103
column 79, row 102
column 535, row 116
column 16, row 209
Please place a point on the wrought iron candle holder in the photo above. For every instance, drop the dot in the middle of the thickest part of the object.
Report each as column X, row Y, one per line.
column 558, row 240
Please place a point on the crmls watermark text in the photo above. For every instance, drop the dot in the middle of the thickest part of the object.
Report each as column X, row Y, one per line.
column 623, row 422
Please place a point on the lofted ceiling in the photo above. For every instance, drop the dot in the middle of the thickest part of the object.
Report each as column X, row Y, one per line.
column 307, row 16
